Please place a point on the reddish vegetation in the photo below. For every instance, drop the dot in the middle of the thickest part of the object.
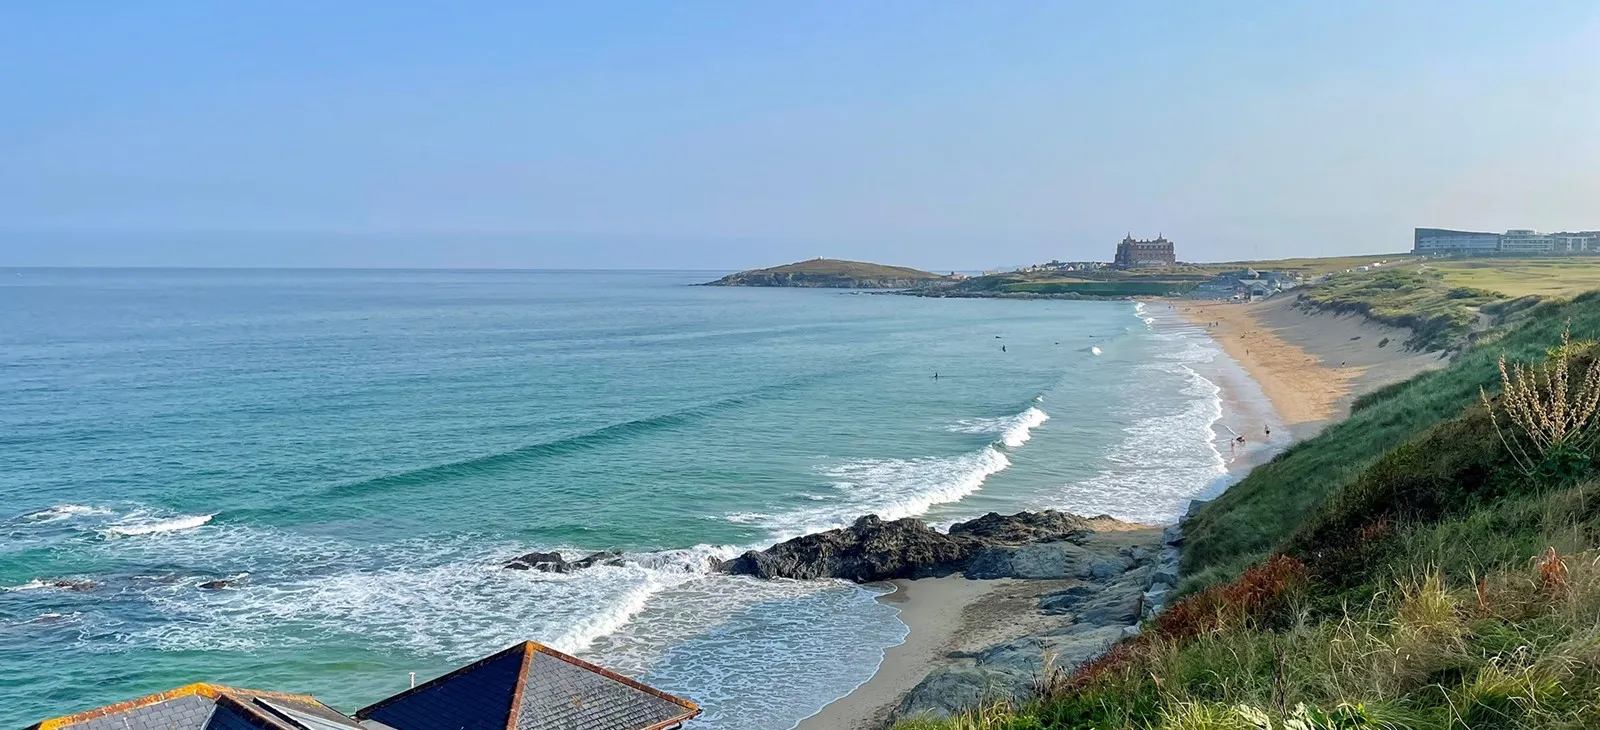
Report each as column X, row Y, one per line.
column 1552, row 570
column 1259, row 595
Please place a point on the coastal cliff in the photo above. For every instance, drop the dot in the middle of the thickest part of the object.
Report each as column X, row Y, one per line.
column 831, row 274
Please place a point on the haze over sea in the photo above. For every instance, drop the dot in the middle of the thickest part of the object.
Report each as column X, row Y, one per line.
column 358, row 451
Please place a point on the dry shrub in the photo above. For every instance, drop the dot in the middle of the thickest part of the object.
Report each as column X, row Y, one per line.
column 1551, row 410
column 1552, row 571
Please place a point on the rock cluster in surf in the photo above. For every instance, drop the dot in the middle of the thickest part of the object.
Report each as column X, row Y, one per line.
column 1024, row 545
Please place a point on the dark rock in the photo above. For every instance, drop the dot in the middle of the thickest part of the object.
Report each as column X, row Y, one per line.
column 1005, row 672
column 554, row 563
column 869, row 550
column 75, row 585
column 1023, row 527
column 216, row 585
column 547, row 562
column 604, row 557
column 1044, row 560
column 1029, row 544
column 1166, row 575
column 1064, row 602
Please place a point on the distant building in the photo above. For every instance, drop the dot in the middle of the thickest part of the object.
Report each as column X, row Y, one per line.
column 1580, row 242
column 1133, row 253
column 1524, row 241
column 1442, row 241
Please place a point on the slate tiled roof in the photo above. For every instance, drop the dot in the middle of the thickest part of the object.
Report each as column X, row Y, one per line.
column 531, row 687
column 205, row 707
column 525, row 687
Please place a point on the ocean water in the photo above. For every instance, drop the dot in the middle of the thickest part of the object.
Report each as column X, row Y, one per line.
column 359, row 450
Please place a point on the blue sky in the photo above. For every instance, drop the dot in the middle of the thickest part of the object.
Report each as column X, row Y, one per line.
column 731, row 135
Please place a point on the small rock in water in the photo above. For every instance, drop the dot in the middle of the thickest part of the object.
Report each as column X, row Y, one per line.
column 554, row 563
column 216, row 585
column 547, row 562
column 75, row 585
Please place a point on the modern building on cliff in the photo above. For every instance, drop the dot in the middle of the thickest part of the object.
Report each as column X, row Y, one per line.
column 1440, row 241
column 526, row 687
column 1133, row 253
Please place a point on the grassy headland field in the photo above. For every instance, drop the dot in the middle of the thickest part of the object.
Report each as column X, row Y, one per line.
column 1432, row 561
column 1544, row 277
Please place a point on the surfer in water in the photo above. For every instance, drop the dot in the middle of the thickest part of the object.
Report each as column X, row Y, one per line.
column 1002, row 348
column 935, row 376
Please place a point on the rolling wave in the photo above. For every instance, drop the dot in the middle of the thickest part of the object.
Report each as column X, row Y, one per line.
column 495, row 463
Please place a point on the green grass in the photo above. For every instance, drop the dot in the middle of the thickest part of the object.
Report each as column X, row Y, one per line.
column 839, row 267
column 1439, row 313
column 1422, row 577
column 1561, row 277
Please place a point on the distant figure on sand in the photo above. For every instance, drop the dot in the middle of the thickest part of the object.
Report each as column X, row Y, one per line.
column 1268, row 429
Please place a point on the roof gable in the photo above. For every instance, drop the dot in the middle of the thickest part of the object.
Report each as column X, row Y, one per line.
column 531, row 687
column 198, row 706
column 478, row 696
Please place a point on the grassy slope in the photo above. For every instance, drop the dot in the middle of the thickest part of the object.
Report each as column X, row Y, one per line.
column 1545, row 277
column 1409, row 588
column 852, row 269
column 1438, row 312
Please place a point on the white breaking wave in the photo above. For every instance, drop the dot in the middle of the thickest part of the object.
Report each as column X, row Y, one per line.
column 745, row 517
column 891, row 489
column 1014, row 431
column 64, row 512
column 1021, row 430
column 32, row 585
column 144, row 525
column 1164, row 459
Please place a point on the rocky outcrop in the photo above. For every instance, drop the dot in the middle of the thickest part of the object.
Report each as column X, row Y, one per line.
column 818, row 281
column 553, row 562
column 1110, row 593
column 831, row 274
column 1028, row 544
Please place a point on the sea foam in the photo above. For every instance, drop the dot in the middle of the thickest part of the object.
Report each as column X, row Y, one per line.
column 144, row 525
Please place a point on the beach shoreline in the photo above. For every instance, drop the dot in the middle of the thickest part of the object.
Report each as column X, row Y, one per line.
column 1311, row 366
column 955, row 614
column 1281, row 369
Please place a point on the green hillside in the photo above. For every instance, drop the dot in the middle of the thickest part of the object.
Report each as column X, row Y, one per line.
column 1430, row 562
column 830, row 273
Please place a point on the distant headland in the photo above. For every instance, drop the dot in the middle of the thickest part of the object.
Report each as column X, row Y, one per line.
column 832, row 274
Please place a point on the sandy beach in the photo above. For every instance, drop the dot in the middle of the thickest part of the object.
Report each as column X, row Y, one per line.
column 1309, row 367
column 943, row 615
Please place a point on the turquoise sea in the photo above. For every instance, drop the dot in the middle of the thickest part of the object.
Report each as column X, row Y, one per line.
column 359, row 450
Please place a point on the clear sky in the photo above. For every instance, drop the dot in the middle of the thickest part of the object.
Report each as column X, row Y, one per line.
column 728, row 135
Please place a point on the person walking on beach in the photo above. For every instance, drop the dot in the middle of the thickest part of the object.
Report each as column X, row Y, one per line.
column 1268, row 429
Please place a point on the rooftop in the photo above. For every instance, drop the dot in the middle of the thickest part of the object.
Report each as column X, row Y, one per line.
column 528, row 686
